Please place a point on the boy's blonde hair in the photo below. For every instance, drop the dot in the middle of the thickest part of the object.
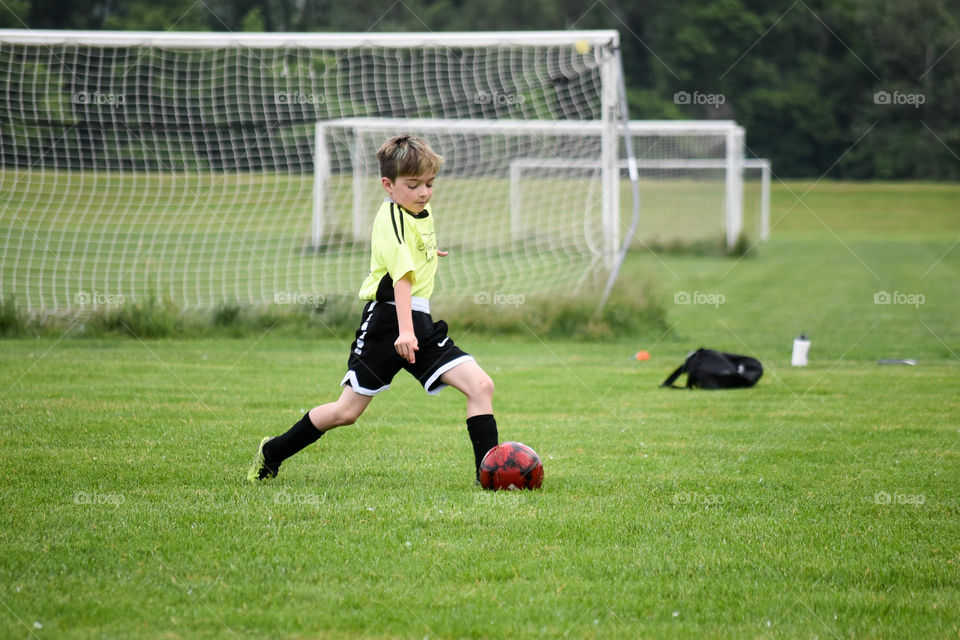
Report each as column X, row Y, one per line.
column 407, row 156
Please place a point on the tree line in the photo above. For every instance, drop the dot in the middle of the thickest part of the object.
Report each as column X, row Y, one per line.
column 853, row 89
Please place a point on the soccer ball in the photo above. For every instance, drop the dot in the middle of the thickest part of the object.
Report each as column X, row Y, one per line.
column 511, row 465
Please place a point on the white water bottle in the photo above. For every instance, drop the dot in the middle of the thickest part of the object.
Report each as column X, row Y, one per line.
column 801, row 346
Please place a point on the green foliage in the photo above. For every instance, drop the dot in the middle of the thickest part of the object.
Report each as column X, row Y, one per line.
column 741, row 248
column 12, row 322
column 226, row 315
column 628, row 312
column 165, row 15
column 633, row 308
column 14, row 14
column 152, row 318
column 715, row 248
column 254, row 20
column 336, row 317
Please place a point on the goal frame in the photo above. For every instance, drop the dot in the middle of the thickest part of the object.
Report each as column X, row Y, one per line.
column 608, row 165
column 733, row 164
column 216, row 40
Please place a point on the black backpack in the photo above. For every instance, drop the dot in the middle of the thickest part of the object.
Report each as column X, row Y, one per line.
column 709, row 369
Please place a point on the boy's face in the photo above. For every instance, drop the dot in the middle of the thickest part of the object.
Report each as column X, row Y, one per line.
column 410, row 192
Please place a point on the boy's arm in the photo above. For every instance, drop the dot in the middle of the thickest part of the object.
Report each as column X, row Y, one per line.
column 406, row 343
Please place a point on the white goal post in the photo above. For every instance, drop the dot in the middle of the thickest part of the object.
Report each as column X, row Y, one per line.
column 763, row 166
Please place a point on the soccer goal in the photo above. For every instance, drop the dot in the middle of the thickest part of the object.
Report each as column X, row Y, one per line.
column 691, row 180
column 664, row 219
column 181, row 165
column 570, row 220
column 542, row 184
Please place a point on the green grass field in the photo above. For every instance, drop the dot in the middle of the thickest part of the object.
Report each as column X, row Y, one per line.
column 822, row 503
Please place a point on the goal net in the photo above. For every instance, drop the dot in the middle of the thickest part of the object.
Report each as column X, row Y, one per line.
column 182, row 166
column 691, row 175
column 691, row 178
column 539, row 185
column 566, row 228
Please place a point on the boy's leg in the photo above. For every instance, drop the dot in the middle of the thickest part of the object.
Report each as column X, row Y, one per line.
column 474, row 383
column 477, row 386
column 273, row 451
column 343, row 411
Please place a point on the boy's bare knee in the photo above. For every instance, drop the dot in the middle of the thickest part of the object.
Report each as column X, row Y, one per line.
column 342, row 414
column 347, row 415
column 484, row 386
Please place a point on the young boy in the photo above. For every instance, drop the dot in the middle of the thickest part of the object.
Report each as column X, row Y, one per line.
column 396, row 330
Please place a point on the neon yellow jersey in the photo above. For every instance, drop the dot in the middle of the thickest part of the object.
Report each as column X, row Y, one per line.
column 401, row 242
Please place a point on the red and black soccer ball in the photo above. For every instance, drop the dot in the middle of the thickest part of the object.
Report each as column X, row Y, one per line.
column 511, row 465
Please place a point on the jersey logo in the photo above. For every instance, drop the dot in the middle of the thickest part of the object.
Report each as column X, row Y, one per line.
column 443, row 342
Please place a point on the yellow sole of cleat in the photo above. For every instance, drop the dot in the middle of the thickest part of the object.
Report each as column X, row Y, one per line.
column 253, row 474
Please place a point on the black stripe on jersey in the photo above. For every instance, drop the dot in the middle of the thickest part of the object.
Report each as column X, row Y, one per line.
column 393, row 220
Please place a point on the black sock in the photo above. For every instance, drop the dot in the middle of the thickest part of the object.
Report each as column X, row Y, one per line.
column 483, row 435
column 296, row 438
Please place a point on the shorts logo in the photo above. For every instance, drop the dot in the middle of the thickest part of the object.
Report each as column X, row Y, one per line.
column 443, row 342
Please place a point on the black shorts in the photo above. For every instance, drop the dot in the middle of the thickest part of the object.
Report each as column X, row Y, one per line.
column 374, row 362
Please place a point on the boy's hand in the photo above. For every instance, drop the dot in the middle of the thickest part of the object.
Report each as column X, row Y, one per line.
column 442, row 254
column 406, row 342
column 406, row 346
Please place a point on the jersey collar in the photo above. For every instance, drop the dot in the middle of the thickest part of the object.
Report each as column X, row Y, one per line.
column 422, row 214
